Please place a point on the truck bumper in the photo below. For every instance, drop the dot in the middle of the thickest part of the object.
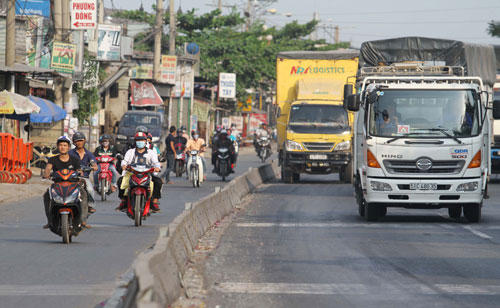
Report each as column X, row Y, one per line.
column 305, row 162
column 401, row 195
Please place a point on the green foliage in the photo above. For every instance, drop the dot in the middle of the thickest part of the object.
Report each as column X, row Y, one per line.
column 88, row 96
column 225, row 47
column 494, row 28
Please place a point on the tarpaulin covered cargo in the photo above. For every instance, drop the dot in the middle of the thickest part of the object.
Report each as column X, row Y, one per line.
column 477, row 60
column 497, row 52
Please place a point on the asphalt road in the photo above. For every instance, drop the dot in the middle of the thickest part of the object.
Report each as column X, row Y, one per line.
column 304, row 245
column 37, row 270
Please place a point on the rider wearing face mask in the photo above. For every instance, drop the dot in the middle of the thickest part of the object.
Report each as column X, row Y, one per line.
column 140, row 154
column 106, row 148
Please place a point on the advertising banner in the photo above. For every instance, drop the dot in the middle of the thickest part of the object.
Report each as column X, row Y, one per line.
column 83, row 14
column 144, row 94
column 144, row 71
column 63, row 57
column 33, row 7
column 238, row 121
column 168, row 69
column 108, row 42
column 255, row 120
column 227, row 85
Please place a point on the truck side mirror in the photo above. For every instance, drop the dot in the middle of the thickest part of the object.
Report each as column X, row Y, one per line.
column 496, row 110
column 347, row 92
column 353, row 102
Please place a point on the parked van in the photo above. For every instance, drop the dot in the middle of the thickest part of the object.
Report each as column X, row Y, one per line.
column 131, row 120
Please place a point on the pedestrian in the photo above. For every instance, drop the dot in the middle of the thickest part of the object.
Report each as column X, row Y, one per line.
column 170, row 149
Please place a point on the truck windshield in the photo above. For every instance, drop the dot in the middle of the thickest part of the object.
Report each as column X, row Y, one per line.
column 134, row 120
column 318, row 119
column 425, row 113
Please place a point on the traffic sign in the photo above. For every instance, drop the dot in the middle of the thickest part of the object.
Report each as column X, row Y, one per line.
column 83, row 14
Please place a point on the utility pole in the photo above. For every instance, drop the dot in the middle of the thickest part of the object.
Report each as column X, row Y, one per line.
column 10, row 48
column 220, row 5
column 58, row 24
column 158, row 34
column 249, row 15
column 171, row 41
column 337, row 38
column 314, row 34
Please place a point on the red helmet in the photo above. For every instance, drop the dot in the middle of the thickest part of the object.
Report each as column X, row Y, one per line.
column 140, row 136
column 150, row 136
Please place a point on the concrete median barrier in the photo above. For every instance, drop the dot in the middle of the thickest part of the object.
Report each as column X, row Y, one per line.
column 159, row 273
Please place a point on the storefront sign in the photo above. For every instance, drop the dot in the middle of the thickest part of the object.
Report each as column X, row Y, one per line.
column 108, row 42
column 83, row 14
column 144, row 94
column 63, row 57
column 168, row 69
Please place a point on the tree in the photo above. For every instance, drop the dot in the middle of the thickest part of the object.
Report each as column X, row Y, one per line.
column 225, row 48
column 494, row 28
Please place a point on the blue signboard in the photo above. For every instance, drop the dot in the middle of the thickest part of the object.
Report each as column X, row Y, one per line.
column 33, row 7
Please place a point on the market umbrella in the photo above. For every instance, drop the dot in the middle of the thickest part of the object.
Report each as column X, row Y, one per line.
column 15, row 104
column 49, row 112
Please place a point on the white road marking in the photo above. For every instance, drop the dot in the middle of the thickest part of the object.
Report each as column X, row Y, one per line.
column 334, row 225
column 356, row 289
column 478, row 233
column 56, row 290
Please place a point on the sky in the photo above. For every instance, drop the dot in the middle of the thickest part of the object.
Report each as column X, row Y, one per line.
column 365, row 20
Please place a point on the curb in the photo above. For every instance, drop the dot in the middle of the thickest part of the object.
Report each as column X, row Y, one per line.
column 158, row 279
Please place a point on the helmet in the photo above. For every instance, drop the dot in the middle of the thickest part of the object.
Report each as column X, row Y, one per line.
column 78, row 136
column 63, row 139
column 219, row 128
column 140, row 136
column 194, row 132
column 233, row 125
column 150, row 136
column 183, row 128
column 104, row 137
column 142, row 129
column 223, row 132
column 179, row 132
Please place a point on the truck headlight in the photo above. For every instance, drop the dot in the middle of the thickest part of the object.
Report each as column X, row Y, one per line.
column 293, row 146
column 343, row 146
column 380, row 186
column 471, row 186
column 121, row 137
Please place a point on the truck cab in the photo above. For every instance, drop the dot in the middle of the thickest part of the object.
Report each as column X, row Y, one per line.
column 314, row 128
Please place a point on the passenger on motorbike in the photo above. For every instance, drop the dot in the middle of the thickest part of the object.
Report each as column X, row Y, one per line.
column 197, row 144
column 223, row 142
column 151, row 145
column 86, row 159
column 140, row 154
column 58, row 163
column 106, row 148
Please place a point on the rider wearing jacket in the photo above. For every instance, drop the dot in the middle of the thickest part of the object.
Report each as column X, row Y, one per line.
column 106, row 148
column 86, row 159
column 140, row 154
column 223, row 142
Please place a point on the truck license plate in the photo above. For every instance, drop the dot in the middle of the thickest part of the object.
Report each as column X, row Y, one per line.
column 423, row 186
column 317, row 156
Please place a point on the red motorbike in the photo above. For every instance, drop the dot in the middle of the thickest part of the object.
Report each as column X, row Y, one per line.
column 180, row 159
column 105, row 176
column 139, row 192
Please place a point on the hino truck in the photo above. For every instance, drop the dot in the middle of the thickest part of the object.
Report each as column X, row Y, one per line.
column 314, row 129
column 422, row 132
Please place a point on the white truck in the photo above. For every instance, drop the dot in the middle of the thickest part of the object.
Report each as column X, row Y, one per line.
column 422, row 128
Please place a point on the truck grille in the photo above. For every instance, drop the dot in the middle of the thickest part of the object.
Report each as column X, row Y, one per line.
column 318, row 146
column 410, row 166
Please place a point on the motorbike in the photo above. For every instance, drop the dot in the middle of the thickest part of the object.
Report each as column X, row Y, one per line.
column 139, row 192
column 180, row 160
column 65, row 205
column 223, row 163
column 195, row 167
column 264, row 148
column 105, row 176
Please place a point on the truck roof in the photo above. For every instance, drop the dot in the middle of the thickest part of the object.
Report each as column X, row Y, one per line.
column 477, row 60
column 341, row 54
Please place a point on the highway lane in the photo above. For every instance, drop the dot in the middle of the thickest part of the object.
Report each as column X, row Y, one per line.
column 304, row 245
column 37, row 270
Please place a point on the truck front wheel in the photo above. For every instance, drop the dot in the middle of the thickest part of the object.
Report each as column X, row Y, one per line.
column 286, row 175
column 455, row 212
column 472, row 212
column 371, row 211
column 348, row 174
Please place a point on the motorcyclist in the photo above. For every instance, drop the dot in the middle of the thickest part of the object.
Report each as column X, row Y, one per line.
column 223, row 142
column 263, row 131
column 143, row 155
column 106, row 148
column 60, row 162
column 86, row 159
column 184, row 132
column 151, row 145
column 198, row 144
column 180, row 140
